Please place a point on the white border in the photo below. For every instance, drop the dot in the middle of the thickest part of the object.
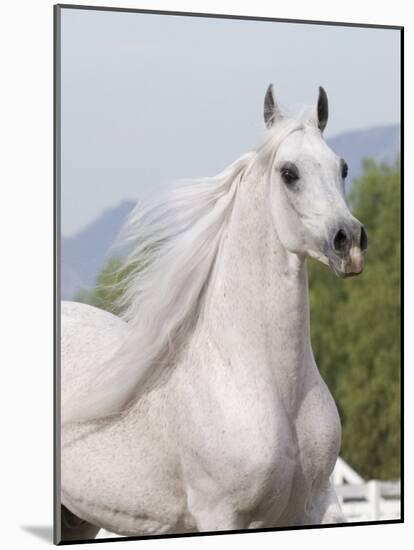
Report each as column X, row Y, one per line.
column 26, row 275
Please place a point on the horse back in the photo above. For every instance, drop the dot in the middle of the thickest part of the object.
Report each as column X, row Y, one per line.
column 89, row 337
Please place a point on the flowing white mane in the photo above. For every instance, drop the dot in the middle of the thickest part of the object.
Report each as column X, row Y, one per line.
column 174, row 242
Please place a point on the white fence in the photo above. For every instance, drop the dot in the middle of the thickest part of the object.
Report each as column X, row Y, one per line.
column 366, row 500
column 370, row 501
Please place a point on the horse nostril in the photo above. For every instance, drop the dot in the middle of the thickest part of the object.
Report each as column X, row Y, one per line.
column 363, row 243
column 340, row 241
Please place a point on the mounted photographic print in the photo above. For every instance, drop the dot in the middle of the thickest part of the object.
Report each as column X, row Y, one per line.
column 228, row 274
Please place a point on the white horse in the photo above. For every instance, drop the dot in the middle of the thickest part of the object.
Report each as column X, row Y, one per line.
column 203, row 410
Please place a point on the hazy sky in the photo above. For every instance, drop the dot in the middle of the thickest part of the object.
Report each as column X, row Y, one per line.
column 149, row 99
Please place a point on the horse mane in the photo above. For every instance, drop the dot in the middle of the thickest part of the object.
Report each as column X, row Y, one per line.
column 174, row 243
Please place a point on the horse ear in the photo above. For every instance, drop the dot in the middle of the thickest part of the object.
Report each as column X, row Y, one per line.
column 271, row 110
column 322, row 109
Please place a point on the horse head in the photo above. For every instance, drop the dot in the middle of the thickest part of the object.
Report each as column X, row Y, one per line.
column 309, row 206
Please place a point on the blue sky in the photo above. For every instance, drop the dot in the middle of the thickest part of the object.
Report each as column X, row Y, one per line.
column 149, row 99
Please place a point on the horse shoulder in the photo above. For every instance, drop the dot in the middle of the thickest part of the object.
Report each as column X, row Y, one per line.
column 318, row 430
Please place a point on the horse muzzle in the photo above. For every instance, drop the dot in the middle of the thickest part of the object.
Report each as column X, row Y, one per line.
column 347, row 251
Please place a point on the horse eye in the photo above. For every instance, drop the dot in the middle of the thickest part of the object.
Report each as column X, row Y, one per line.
column 344, row 169
column 289, row 174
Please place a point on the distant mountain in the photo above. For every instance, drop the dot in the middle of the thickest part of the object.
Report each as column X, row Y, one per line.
column 381, row 143
column 84, row 254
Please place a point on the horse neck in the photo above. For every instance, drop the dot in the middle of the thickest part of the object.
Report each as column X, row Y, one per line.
column 258, row 300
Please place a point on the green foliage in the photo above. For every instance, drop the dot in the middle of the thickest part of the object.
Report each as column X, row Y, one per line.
column 355, row 326
column 110, row 286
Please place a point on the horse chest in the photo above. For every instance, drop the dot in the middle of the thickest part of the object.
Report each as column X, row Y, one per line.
column 255, row 449
column 241, row 448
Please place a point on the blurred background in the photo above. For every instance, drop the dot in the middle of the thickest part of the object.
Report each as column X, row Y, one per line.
column 149, row 99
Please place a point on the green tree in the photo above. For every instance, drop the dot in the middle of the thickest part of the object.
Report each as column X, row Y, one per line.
column 355, row 327
column 109, row 288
